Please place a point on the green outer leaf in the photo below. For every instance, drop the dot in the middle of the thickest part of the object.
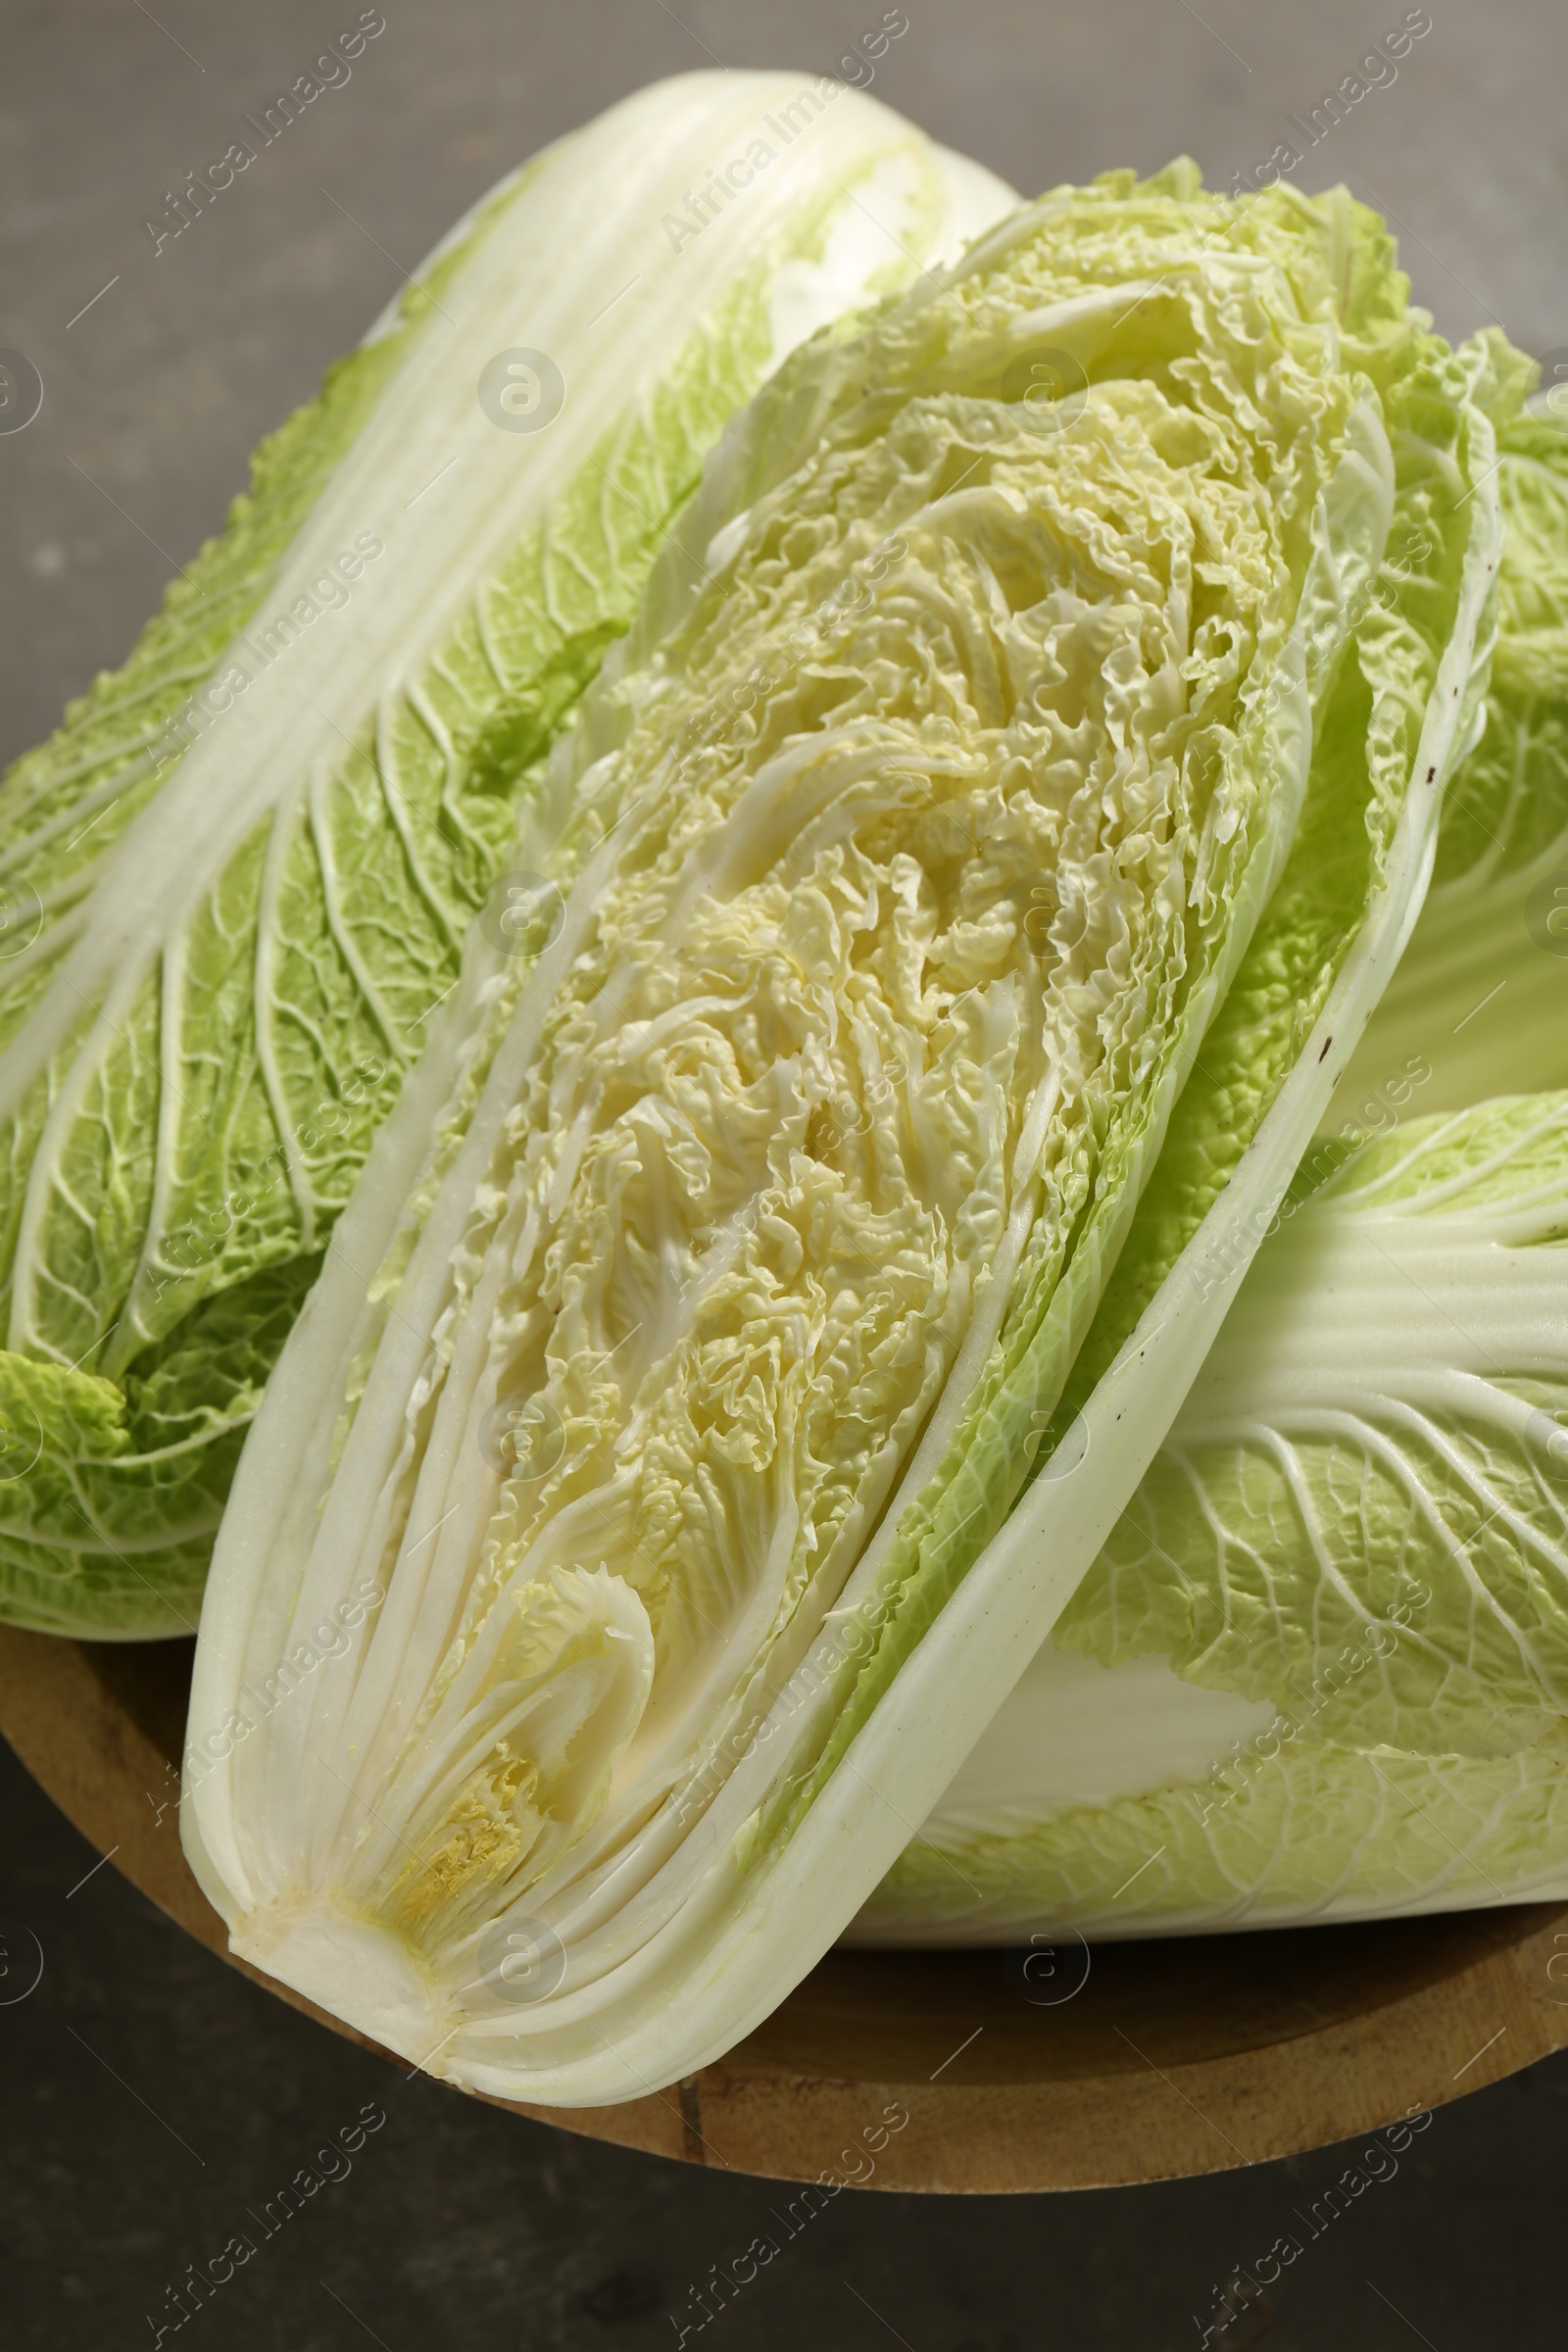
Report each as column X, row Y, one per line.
column 123, row 1488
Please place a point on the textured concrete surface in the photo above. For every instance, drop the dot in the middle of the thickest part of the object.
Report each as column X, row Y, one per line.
column 151, row 2097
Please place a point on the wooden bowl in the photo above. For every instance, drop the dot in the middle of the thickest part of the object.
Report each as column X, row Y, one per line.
column 1183, row 2056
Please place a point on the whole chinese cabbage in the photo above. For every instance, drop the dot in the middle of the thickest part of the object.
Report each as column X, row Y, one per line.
column 931, row 953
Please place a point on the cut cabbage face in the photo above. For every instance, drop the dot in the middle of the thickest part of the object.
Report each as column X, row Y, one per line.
column 236, row 880
column 765, row 1297
column 1328, row 1641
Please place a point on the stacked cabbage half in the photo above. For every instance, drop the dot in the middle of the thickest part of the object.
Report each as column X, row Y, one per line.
column 1335, row 1613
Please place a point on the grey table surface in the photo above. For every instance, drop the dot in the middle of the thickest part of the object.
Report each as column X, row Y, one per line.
column 150, row 2095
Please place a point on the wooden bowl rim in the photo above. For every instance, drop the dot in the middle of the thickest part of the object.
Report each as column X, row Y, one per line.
column 933, row 2070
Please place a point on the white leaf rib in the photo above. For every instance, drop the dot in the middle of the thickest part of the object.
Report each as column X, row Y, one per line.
column 263, row 1000
column 338, row 928
column 425, row 710
column 385, row 764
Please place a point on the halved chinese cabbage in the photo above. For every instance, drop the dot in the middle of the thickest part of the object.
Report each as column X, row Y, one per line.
column 1335, row 1616
column 236, row 880
column 639, row 1526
